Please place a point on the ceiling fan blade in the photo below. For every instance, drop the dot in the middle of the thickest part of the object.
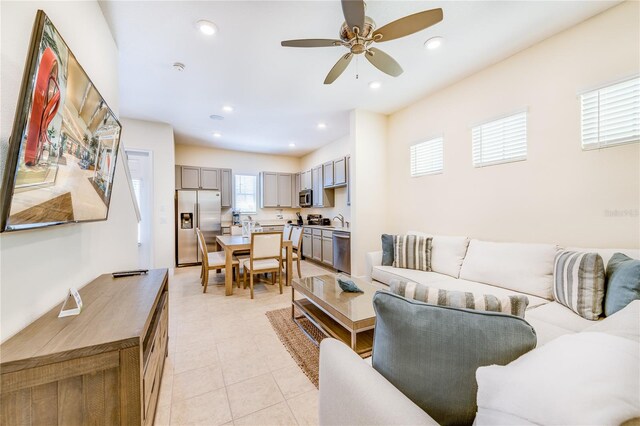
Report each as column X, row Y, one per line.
column 311, row 42
column 353, row 11
column 383, row 62
column 409, row 25
column 338, row 68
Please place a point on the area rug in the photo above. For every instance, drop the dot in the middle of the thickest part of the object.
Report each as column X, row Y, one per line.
column 304, row 352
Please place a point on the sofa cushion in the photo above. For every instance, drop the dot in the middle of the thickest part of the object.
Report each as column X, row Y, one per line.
column 447, row 253
column 579, row 282
column 558, row 315
column 623, row 283
column 412, row 252
column 580, row 379
column 387, row 250
column 525, row 268
column 512, row 305
column 430, row 353
column 385, row 274
column 624, row 323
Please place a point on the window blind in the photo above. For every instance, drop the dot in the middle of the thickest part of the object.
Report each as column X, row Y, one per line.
column 611, row 115
column 245, row 194
column 427, row 157
column 500, row 141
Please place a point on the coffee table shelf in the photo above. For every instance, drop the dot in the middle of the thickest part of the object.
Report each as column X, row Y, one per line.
column 348, row 317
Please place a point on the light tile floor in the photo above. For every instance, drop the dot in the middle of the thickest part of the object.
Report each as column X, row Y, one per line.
column 226, row 365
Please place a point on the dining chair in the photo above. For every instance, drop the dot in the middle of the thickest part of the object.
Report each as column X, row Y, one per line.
column 265, row 257
column 296, row 240
column 286, row 233
column 214, row 260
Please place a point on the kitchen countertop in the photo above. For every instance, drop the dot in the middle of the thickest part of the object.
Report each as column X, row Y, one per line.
column 282, row 223
column 329, row 228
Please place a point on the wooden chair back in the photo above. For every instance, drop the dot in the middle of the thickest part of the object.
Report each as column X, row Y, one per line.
column 266, row 245
column 202, row 244
column 296, row 236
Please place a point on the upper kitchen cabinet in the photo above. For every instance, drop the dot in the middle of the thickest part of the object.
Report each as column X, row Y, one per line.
column 321, row 197
column 226, row 187
column 306, row 180
column 340, row 172
column 209, row 178
column 275, row 189
column 296, row 188
column 327, row 171
column 190, row 177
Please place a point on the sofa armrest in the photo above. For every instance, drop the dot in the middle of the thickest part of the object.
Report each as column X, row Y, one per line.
column 353, row 393
column 372, row 259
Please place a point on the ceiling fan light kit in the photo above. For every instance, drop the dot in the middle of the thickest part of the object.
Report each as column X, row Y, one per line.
column 359, row 32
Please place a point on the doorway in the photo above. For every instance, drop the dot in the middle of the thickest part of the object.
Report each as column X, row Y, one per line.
column 141, row 168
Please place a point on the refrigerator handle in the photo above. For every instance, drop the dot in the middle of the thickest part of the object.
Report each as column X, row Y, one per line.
column 198, row 213
column 196, row 223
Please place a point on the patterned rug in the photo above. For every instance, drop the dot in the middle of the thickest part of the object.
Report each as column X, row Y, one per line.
column 304, row 352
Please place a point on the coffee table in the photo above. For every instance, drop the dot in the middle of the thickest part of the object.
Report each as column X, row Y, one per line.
column 348, row 317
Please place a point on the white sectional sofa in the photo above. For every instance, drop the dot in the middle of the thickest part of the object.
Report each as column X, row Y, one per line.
column 463, row 264
column 348, row 385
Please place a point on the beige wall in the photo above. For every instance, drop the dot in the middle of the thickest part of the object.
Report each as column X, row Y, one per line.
column 157, row 138
column 331, row 151
column 370, row 176
column 240, row 163
column 38, row 266
column 560, row 194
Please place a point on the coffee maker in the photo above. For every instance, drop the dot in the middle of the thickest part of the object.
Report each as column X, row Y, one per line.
column 300, row 221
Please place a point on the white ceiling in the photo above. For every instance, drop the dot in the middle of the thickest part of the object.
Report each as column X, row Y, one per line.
column 278, row 93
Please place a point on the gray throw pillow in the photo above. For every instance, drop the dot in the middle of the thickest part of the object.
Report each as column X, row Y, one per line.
column 623, row 283
column 513, row 305
column 387, row 250
column 431, row 353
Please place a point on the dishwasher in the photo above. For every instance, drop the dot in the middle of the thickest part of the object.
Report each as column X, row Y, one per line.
column 342, row 251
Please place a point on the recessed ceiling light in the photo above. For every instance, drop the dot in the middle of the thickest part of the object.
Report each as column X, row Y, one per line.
column 207, row 27
column 292, row 145
column 217, row 134
column 433, row 43
column 216, row 117
column 178, row 66
column 375, row 85
column 322, row 126
column 227, row 108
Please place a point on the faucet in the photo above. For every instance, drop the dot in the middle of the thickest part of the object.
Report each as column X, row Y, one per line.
column 341, row 219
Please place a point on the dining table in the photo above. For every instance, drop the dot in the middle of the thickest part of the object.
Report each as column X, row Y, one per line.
column 231, row 244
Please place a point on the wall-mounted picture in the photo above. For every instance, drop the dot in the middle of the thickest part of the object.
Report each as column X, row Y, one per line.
column 64, row 142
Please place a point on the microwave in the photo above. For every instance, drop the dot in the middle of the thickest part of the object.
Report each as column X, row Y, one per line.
column 306, row 198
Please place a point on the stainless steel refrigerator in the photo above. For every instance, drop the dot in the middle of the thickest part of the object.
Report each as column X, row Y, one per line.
column 196, row 209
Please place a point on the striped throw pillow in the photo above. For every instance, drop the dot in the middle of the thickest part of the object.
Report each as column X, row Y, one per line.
column 578, row 282
column 412, row 252
column 513, row 305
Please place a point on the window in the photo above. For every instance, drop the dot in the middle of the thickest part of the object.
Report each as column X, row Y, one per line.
column 611, row 115
column 427, row 157
column 500, row 141
column 246, row 194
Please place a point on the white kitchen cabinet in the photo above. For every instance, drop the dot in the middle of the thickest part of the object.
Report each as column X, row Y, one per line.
column 284, row 190
column 275, row 189
column 226, row 187
column 321, row 197
column 209, row 178
column 306, row 179
column 296, row 188
column 327, row 251
column 327, row 174
column 190, row 177
column 340, row 172
column 317, row 248
column 307, row 245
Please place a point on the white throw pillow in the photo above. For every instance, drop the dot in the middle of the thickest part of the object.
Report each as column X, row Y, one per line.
column 447, row 252
column 585, row 378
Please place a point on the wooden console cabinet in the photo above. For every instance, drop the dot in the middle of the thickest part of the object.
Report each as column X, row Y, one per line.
column 103, row 366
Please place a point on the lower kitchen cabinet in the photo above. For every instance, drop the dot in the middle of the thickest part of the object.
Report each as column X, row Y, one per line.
column 327, row 251
column 307, row 245
column 317, row 248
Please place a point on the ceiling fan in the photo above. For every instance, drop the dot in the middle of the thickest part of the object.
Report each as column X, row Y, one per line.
column 359, row 32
